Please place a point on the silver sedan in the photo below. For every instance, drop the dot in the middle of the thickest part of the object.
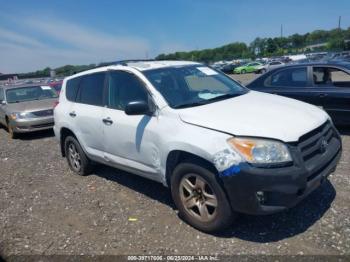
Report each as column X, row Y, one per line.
column 27, row 108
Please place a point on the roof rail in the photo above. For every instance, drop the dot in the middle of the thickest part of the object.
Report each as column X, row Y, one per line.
column 124, row 62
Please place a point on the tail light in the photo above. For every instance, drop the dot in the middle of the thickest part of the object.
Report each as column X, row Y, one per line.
column 55, row 104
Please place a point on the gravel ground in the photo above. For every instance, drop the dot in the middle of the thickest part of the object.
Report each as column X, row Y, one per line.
column 46, row 209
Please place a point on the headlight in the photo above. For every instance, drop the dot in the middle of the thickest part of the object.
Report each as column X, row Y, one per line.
column 22, row 115
column 261, row 151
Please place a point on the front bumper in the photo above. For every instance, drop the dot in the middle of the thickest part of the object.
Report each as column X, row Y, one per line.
column 255, row 190
column 31, row 125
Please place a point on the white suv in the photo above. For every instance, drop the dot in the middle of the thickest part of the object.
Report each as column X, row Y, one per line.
column 221, row 148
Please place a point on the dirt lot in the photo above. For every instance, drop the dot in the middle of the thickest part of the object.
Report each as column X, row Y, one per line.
column 46, row 209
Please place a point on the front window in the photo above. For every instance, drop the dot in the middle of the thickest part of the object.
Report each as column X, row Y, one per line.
column 189, row 86
column 23, row 94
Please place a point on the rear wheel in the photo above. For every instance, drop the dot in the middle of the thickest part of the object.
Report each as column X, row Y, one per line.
column 263, row 71
column 76, row 157
column 200, row 199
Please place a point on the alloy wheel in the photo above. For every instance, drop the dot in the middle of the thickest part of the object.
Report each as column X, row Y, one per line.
column 74, row 157
column 198, row 198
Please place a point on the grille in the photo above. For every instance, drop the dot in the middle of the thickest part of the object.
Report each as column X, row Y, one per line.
column 41, row 113
column 319, row 148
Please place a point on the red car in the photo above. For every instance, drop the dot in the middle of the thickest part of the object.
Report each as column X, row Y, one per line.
column 57, row 86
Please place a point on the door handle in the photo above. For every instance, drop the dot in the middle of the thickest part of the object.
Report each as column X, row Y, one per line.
column 322, row 95
column 107, row 121
column 73, row 114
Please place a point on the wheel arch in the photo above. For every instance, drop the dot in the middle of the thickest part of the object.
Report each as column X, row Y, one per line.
column 63, row 134
column 176, row 157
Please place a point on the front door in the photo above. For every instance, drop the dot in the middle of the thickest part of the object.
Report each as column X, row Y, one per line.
column 130, row 141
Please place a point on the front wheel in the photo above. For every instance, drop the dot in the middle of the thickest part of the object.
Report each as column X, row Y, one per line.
column 200, row 199
column 243, row 71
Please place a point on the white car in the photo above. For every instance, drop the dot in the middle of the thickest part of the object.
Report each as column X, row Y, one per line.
column 269, row 66
column 221, row 148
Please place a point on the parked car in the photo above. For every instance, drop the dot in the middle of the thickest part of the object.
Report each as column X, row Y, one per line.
column 221, row 148
column 326, row 85
column 269, row 66
column 26, row 108
column 228, row 68
column 57, row 86
column 248, row 68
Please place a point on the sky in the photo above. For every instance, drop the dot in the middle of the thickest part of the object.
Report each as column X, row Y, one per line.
column 35, row 34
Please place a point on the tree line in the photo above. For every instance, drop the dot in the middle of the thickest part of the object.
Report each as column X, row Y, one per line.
column 333, row 40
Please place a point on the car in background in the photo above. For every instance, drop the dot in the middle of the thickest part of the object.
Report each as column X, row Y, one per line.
column 27, row 108
column 248, row 68
column 269, row 66
column 228, row 68
column 325, row 85
column 56, row 85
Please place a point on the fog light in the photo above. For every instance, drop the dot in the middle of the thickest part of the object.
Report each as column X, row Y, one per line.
column 260, row 195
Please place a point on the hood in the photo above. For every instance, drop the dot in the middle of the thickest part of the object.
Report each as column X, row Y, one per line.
column 31, row 106
column 259, row 115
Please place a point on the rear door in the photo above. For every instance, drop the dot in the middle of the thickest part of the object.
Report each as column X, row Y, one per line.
column 293, row 82
column 87, row 113
column 334, row 86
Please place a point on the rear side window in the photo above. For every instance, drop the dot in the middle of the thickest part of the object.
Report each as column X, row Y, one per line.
column 72, row 87
column 91, row 89
column 291, row 77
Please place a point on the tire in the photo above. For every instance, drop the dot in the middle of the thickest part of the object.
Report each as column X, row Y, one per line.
column 12, row 134
column 263, row 71
column 200, row 213
column 243, row 71
column 77, row 160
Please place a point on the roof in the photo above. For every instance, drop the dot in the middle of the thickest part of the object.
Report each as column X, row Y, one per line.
column 324, row 63
column 146, row 65
column 22, row 85
column 140, row 65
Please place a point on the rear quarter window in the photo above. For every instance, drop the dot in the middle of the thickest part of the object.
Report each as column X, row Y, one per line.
column 72, row 87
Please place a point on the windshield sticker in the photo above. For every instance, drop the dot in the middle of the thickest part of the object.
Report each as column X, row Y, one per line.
column 207, row 71
column 45, row 88
column 207, row 96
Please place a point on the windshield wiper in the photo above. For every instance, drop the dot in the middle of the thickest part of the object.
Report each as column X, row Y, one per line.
column 189, row 105
column 223, row 97
column 208, row 101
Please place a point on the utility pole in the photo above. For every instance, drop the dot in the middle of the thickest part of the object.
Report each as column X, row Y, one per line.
column 281, row 30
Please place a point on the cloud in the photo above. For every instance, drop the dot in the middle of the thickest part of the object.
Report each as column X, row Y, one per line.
column 9, row 36
column 51, row 42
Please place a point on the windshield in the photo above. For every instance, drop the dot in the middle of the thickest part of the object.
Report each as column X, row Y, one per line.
column 22, row 94
column 193, row 85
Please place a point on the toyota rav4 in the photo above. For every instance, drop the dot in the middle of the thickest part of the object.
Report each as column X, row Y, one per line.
column 221, row 148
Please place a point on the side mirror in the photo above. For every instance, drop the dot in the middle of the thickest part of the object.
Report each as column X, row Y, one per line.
column 138, row 108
